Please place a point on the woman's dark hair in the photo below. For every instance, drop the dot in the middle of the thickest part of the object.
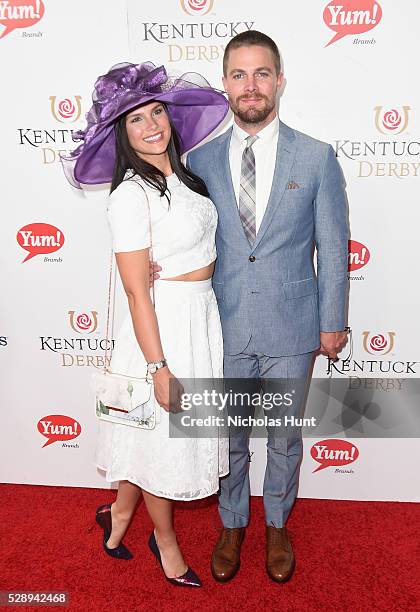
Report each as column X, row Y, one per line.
column 127, row 159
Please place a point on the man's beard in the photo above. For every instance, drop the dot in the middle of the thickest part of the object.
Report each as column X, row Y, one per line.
column 253, row 114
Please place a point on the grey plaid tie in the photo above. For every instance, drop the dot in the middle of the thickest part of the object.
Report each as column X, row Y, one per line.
column 247, row 190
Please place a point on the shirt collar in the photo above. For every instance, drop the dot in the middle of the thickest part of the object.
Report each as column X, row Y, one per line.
column 265, row 135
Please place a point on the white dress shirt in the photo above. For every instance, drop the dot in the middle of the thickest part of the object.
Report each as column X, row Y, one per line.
column 265, row 152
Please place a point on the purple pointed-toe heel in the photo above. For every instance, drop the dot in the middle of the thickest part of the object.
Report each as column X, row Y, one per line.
column 189, row 579
column 104, row 520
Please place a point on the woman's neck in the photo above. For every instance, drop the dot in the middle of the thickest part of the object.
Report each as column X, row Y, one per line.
column 161, row 162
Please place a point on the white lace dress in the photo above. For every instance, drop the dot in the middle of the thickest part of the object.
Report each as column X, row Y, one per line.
column 189, row 324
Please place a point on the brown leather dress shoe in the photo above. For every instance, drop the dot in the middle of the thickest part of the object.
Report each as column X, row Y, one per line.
column 280, row 559
column 226, row 558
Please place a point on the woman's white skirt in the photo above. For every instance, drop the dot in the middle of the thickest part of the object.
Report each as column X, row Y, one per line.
column 175, row 468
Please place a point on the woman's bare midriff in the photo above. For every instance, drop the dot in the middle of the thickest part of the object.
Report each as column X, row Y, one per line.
column 195, row 275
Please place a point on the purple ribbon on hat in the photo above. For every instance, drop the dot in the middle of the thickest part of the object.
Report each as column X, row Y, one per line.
column 113, row 87
column 110, row 87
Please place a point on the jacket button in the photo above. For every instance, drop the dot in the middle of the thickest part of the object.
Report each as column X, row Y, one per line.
column 252, row 258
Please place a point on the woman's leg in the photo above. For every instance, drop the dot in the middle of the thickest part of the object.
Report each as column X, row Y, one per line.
column 122, row 510
column 161, row 513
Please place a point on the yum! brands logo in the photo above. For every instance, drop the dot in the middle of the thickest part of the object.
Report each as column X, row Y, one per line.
column 359, row 255
column 197, row 7
column 66, row 110
column 391, row 120
column 378, row 344
column 83, row 323
column 59, row 428
column 349, row 17
column 334, row 453
column 18, row 14
column 40, row 239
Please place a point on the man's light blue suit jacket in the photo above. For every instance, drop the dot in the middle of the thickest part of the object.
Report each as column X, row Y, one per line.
column 270, row 289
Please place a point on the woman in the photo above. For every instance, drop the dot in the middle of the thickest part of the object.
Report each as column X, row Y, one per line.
column 138, row 127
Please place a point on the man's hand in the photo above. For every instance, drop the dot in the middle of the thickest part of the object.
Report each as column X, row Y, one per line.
column 332, row 343
column 154, row 268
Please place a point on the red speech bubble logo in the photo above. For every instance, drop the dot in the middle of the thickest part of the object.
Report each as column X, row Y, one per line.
column 16, row 14
column 56, row 427
column 39, row 238
column 351, row 17
column 333, row 452
column 359, row 255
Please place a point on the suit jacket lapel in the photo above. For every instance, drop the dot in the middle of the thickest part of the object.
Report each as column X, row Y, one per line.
column 286, row 151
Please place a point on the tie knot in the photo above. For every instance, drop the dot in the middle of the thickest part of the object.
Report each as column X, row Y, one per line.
column 250, row 141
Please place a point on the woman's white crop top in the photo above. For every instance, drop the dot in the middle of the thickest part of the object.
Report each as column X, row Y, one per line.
column 183, row 232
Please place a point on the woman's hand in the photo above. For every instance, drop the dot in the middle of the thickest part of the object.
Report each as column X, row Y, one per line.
column 154, row 269
column 168, row 390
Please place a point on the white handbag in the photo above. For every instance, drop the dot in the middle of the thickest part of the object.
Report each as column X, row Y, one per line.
column 122, row 399
column 125, row 400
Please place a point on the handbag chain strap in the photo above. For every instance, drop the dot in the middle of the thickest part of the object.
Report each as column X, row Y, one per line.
column 111, row 292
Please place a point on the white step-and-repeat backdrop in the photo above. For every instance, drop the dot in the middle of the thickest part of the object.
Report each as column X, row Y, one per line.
column 351, row 68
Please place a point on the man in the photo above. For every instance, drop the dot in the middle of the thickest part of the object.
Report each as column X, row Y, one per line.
column 278, row 194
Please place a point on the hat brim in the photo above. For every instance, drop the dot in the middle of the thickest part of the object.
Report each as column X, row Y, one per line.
column 195, row 113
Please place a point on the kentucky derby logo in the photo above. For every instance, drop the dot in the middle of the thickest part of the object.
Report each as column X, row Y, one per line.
column 197, row 7
column 377, row 362
column 83, row 323
column 378, row 344
column 66, row 110
column 16, row 14
column 391, row 121
column 347, row 17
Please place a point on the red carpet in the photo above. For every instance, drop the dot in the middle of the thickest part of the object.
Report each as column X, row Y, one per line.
column 351, row 556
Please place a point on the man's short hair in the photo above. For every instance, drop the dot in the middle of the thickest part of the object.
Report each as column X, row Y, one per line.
column 248, row 39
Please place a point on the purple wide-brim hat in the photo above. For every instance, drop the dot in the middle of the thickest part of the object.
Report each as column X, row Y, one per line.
column 195, row 108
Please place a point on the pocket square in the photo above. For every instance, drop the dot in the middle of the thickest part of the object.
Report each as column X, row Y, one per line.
column 292, row 185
